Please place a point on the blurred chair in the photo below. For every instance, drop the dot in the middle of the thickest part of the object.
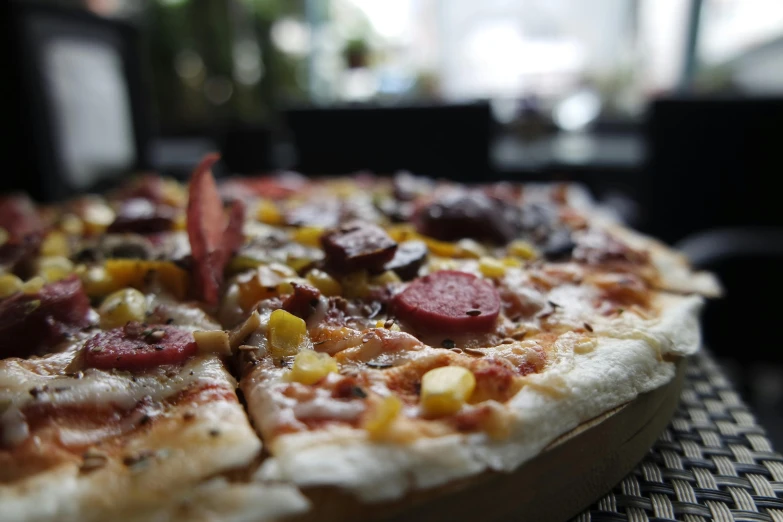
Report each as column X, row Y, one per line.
column 712, row 163
column 77, row 111
column 438, row 140
column 711, row 185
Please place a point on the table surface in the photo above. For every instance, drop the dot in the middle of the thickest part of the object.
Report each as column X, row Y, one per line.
column 713, row 462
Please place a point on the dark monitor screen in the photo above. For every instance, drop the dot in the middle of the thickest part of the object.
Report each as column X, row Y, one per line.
column 79, row 99
column 92, row 120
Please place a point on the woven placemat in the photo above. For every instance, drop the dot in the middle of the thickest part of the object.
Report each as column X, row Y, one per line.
column 712, row 462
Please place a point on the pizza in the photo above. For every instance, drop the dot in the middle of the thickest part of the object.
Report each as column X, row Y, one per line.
column 218, row 352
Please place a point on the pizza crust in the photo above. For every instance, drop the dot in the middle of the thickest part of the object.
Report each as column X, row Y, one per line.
column 627, row 361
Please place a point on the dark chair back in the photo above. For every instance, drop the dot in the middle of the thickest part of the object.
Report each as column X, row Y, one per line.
column 713, row 163
column 437, row 140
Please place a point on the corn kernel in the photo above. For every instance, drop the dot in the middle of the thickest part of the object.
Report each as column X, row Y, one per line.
column 490, row 267
column 382, row 416
column 174, row 193
column 325, row 283
column 400, row 233
column 441, row 248
column 54, row 268
column 522, row 249
column 253, row 290
column 96, row 280
column 55, row 244
column 387, row 277
column 33, row 285
column 310, row 236
column 287, row 333
column 242, row 263
column 269, row 213
column 442, row 264
column 180, row 221
column 212, row 341
column 355, row 285
column 71, row 224
column 138, row 273
column 3, row 236
column 470, row 248
column 97, row 217
column 9, row 284
column 285, row 287
column 511, row 262
column 122, row 306
column 445, row 390
column 394, row 327
column 298, row 263
column 310, row 367
column 343, row 188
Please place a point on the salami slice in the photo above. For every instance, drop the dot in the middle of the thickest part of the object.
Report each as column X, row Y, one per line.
column 135, row 347
column 448, row 302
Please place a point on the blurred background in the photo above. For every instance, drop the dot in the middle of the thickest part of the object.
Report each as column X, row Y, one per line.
column 669, row 111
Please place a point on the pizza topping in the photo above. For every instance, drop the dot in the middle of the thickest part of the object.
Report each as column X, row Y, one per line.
column 122, row 307
column 21, row 228
column 287, row 333
column 407, row 260
column 446, row 389
column 558, row 246
column 9, row 285
column 141, row 216
column 132, row 347
column 310, row 367
column 45, row 316
column 491, row 267
column 440, row 302
column 458, row 215
column 213, row 239
column 212, row 341
column 155, row 275
column 325, row 283
column 19, row 218
column 303, row 301
column 358, row 246
column 382, row 415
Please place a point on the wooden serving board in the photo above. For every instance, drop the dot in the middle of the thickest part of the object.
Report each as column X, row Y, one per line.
column 573, row 472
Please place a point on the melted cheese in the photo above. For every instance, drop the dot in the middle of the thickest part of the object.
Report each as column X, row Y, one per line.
column 24, row 382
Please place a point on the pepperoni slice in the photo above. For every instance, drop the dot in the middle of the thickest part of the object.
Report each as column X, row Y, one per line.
column 448, row 302
column 136, row 347
column 212, row 238
column 31, row 322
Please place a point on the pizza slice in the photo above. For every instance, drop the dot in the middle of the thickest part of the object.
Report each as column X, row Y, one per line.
column 125, row 410
column 405, row 356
